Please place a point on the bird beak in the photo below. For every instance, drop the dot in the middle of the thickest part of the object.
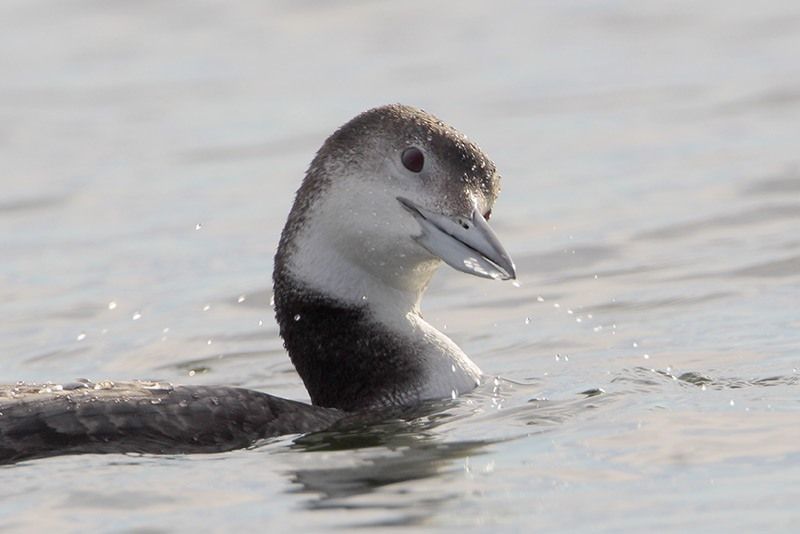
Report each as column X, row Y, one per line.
column 466, row 244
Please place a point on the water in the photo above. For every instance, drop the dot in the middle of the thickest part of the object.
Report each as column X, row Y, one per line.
column 648, row 363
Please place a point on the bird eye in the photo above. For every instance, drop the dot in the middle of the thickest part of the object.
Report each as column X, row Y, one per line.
column 487, row 215
column 412, row 159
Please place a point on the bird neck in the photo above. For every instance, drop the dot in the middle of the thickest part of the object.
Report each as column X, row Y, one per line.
column 352, row 356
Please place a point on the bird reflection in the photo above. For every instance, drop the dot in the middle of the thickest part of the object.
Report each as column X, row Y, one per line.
column 416, row 452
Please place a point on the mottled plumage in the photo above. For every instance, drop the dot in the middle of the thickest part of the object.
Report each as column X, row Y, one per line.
column 144, row 417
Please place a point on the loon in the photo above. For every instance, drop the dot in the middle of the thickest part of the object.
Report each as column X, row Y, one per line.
column 390, row 195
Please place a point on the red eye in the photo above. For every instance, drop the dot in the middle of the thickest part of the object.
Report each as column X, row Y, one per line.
column 487, row 215
column 412, row 159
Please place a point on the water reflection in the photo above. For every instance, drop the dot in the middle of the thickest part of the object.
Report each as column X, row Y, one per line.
column 413, row 460
column 379, row 458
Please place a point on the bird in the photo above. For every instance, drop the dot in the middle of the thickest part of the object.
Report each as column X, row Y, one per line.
column 390, row 196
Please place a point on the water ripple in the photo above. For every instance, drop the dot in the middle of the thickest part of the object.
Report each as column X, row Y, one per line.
column 757, row 215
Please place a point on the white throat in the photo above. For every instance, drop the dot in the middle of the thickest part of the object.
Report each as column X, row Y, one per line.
column 381, row 269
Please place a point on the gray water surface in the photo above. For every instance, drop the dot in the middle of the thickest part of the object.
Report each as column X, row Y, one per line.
column 647, row 366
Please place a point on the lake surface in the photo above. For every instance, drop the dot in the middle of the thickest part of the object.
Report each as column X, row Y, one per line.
column 648, row 366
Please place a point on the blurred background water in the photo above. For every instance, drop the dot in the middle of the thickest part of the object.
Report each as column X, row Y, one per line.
column 647, row 366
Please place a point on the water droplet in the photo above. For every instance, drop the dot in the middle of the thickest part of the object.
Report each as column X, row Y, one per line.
column 260, row 322
column 166, row 330
column 297, row 317
column 646, row 356
column 556, row 305
column 241, row 298
column 453, row 394
column 136, row 316
column 527, row 320
column 208, row 342
column 732, row 403
column 453, row 368
column 272, row 301
column 516, row 283
column 198, row 226
column 635, row 344
column 207, row 307
column 112, row 305
column 81, row 336
column 363, row 297
column 540, row 299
